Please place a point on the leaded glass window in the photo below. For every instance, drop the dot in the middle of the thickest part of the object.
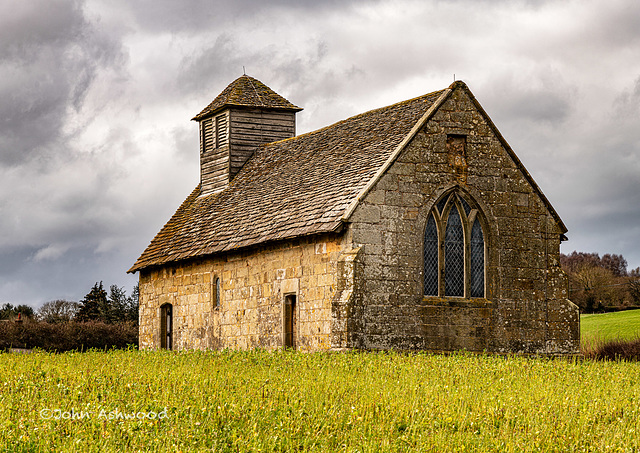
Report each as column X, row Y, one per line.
column 441, row 204
column 477, row 260
column 454, row 255
column 454, row 249
column 466, row 206
column 431, row 258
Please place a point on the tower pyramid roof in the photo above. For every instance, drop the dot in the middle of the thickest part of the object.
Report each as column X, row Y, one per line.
column 246, row 91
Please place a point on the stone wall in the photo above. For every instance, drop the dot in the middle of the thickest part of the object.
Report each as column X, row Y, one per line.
column 253, row 286
column 525, row 308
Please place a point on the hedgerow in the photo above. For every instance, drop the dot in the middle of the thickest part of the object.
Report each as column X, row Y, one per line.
column 67, row 336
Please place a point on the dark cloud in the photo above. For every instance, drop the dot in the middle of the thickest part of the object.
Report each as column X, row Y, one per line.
column 27, row 27
column 197, row 16
column 627, row 104
column 68, row 277
column 49, row 56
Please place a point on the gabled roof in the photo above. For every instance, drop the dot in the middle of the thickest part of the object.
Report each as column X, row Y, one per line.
column 304, row 185
column 294, row 187
column 246, row 91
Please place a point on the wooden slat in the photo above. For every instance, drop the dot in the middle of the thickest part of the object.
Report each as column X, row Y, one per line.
column 222, row 132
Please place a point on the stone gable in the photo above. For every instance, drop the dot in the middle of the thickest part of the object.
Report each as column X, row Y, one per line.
column 523, row 278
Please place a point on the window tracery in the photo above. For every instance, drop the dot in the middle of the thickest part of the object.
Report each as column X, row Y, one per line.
column 454, row 249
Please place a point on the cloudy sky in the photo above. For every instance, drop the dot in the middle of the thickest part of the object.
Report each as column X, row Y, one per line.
column 97, row 149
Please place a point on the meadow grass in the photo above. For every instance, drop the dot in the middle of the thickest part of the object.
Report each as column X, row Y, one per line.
column 602, row 327
column 288, row 401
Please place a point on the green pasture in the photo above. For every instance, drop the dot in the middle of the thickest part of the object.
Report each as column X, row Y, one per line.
column 288, row 401
column 624, row 325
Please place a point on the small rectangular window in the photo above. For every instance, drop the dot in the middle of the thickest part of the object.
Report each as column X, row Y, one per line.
column 457, row 155
column 456, row 145
column 216, row 292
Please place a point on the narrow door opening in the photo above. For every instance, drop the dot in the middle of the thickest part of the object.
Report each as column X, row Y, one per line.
column 166, row 326
column 290, row 322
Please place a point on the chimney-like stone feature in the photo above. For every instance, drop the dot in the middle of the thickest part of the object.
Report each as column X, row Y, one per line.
column 245, row 115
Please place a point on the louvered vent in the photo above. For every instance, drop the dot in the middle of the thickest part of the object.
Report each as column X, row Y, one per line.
column 222, row 131
column 206, row 136
column 214, row 157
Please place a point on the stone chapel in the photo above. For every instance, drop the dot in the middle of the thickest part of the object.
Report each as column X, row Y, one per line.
column 410, row 227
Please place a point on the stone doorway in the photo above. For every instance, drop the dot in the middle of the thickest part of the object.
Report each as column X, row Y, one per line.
column 166, row 326
column 290, row 322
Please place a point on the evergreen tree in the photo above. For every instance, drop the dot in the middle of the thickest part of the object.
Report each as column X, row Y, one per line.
column 8, row 311
column 133, row 303
column 25, row 310
column 118, row 302
column 94, row 306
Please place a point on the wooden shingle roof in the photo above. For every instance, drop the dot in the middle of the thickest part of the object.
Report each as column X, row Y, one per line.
column 246, row 91
column 290, row 188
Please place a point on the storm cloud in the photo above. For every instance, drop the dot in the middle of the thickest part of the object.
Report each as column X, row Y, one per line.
column 97, row 148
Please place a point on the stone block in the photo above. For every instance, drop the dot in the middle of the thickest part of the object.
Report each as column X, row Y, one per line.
column 388, row 181
column 367, row 213
column 402, row 168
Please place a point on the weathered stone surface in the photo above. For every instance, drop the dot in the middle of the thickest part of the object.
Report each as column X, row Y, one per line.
column 360, row 286
column 526, row 309
column 253, row 286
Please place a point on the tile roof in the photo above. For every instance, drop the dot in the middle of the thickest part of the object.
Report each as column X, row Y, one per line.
column 247, row 92
column 288, row 188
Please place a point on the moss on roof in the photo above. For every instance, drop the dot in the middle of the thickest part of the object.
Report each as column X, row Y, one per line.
column 298, row 186
column 246, row 91
column 289, row 188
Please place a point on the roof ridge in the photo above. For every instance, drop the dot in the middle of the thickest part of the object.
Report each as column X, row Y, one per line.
column 250, row 79
column 435, row 105
column 358, row 115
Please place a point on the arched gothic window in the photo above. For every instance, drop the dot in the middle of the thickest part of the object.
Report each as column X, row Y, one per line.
column 454, row 249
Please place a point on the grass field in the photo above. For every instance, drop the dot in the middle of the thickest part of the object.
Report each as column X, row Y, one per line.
column 287, row 401
column 624, row 325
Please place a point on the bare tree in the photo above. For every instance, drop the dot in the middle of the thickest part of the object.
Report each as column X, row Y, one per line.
column 595, row 288
column 634, row 285
column 58, row 311
column 600, row 284
column 615, row 263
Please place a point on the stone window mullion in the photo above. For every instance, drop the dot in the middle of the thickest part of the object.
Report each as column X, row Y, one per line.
column 467, row 257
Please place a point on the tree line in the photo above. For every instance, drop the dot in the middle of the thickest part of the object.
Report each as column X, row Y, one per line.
column 98, row 305
column 101, row 320
column 599, row 284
